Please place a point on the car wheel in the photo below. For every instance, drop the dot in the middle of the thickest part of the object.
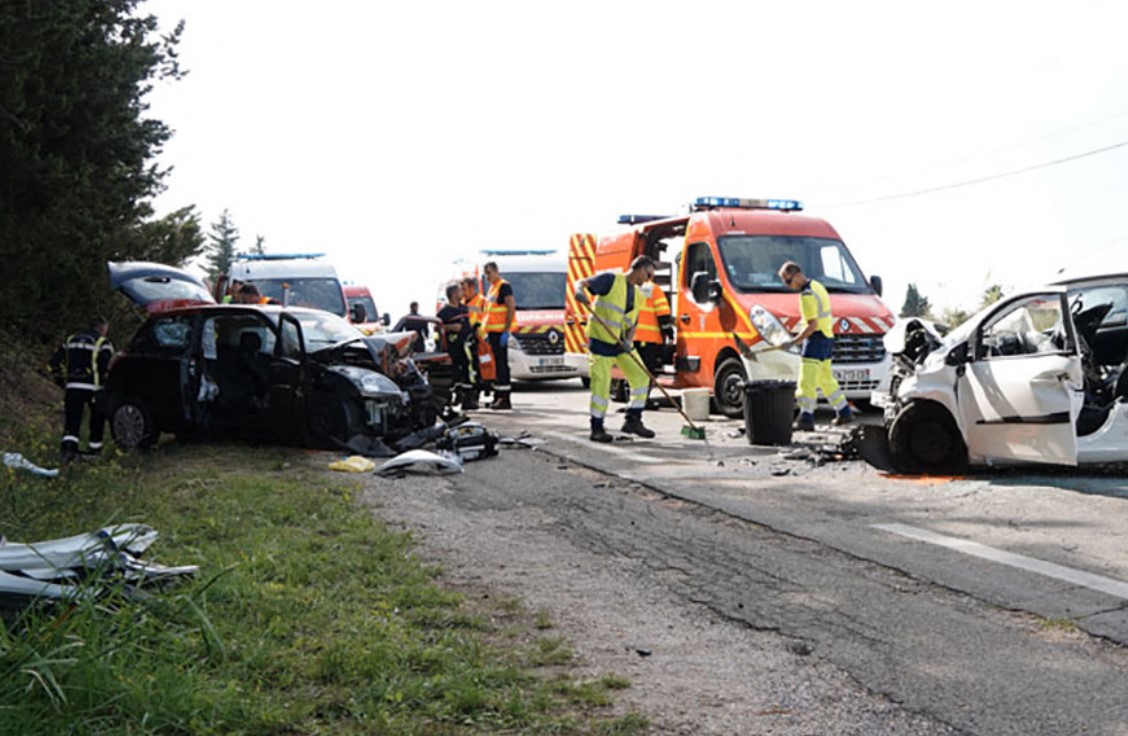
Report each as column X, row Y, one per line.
column 728, row 388
column 585, row 381
column 925, row 439
column 132, row 425
column 328, row 423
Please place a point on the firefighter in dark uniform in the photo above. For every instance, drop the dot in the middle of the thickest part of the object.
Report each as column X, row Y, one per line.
column 80, row 365
column 456, row 330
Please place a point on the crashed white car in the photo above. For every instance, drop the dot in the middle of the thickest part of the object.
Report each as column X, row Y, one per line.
column 1038, row 377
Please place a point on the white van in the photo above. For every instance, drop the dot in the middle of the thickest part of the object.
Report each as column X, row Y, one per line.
column 295, row 279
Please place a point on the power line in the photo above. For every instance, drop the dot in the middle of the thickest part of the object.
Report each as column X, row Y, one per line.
column 980, row 180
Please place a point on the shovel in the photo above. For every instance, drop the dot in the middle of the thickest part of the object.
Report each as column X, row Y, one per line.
column 747, row 351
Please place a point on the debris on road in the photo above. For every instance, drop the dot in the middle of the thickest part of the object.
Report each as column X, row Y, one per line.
column 421, row 461
column 353, row 464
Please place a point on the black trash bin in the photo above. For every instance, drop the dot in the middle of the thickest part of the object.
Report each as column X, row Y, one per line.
column 769, row 407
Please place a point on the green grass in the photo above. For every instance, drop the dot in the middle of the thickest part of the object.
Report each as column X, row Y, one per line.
column 309, row 616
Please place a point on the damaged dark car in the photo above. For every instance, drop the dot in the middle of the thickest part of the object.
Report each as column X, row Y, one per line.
column 266, row 372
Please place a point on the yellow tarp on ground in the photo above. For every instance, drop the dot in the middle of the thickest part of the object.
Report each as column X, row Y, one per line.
column 354, row 464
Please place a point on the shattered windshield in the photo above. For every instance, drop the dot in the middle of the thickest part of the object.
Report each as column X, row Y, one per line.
column 321, row 329
column 752, row 262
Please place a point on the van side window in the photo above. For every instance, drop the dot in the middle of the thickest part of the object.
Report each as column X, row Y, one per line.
column 698, row 258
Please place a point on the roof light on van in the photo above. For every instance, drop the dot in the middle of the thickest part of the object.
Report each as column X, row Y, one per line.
column 784, row 205
column 277, row 256
column 638, row 219
column 517, row 252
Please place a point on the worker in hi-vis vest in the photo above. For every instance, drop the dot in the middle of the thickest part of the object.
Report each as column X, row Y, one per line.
column 818, row 344
column 611, row 332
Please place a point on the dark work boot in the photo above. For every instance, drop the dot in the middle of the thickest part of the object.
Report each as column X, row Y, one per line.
column 633, row 425
column 599, row 434
column 470, row 400
column 501, row 403
column 805, row 423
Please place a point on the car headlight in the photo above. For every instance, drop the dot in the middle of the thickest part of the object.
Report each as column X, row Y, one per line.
column 768, row 325
column 378, row 383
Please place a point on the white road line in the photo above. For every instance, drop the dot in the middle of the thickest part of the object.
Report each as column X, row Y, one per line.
column 1110, row 586
column 621, row 451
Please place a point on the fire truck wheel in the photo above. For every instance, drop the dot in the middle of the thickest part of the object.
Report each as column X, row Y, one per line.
column 728, row 388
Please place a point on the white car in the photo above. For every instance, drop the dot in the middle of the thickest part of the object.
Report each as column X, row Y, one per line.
column 1038, row 377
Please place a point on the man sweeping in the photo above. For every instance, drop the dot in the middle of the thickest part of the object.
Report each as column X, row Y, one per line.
column 818, row 344
column 610, row 341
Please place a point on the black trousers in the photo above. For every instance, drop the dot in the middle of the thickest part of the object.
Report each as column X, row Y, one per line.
column 459, row 363
column 501, row 360
column 77, row 399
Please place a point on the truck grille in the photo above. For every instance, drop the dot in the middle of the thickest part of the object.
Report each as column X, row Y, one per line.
column 542, row 343
column 858, row 349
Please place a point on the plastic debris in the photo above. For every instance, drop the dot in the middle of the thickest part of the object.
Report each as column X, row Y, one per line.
column 422, row 461
column 353, row 464
column 16, row 460
column 62, row 569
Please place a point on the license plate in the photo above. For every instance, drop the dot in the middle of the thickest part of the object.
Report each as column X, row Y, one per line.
column 555, row 360
column 852, row 375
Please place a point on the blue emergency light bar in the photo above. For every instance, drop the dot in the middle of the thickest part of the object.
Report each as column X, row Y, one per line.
column 518, row 252
column 638, row 219
column 784, row 205
column 277, row 256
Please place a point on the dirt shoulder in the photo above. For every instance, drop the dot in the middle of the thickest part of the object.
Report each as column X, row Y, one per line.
column 513, row 525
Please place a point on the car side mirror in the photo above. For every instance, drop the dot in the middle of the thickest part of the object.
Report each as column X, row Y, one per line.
column 358, row 313
column 386, row 320
column 957, row 355
column 876, row 284
column 705, row 289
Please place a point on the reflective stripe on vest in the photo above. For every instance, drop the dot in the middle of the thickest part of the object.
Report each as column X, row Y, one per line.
column 611, row 309
column 495, row 313
column 814, row 303
column 474, row 309
column 654, row 307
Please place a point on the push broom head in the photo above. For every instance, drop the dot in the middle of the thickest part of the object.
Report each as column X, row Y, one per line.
column 692, row 432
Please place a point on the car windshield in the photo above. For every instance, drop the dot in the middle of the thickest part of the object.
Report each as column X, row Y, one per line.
column 313, row 293
column 321, row 329
column 752, row 262
column 538, row 289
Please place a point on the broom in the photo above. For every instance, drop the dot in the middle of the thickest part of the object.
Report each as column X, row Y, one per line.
column 691, row 430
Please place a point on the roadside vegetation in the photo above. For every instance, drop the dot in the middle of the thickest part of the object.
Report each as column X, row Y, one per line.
column 309, row 616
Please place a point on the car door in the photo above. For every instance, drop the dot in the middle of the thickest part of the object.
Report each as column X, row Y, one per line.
column 1020, row 392
column 287, row 368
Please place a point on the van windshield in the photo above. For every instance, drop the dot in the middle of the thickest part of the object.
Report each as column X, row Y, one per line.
column 752, row 262
column 537, row 289
column 314, row 293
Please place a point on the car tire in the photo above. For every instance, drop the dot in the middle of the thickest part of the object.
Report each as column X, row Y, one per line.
column 924, row 439
column 728, row 388
column 585, row 382
column 132, row 425
column 328, row 423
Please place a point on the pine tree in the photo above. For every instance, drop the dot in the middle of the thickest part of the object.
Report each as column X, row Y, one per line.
column 915, row 305
column 222, row 239
column 259, row 248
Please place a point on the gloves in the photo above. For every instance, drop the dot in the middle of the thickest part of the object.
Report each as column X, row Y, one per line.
column 628, row 345
column 503, row 339
column 668, row 333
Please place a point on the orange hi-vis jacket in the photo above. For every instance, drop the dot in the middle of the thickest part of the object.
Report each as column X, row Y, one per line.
column 474, row 307
column 494, row 312
column 655, row 306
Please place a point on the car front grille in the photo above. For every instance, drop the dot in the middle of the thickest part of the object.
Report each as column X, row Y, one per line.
column 858, row 349
column 542, row 343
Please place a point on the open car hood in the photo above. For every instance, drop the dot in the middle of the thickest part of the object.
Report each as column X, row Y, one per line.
column 157, row 287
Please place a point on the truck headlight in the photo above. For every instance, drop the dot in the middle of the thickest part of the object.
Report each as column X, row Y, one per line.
column 768, row 325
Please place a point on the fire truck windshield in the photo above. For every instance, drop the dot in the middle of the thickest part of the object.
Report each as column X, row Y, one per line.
column 752, row 262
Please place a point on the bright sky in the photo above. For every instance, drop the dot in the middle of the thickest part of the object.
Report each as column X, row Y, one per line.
column 399, row 136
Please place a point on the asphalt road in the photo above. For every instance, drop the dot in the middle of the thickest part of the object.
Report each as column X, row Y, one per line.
column 993, row 604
